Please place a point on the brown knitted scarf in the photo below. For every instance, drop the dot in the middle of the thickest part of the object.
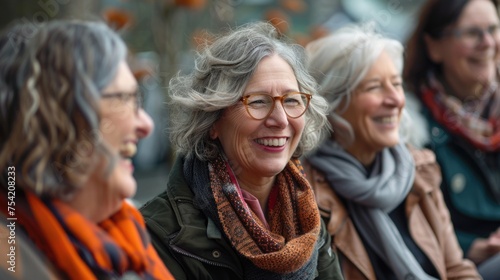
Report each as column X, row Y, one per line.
column 290, row 245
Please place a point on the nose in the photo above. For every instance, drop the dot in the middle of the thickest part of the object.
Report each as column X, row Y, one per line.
column 487, row 39
column 145, row 124
column 278, row 117
column 394, row 97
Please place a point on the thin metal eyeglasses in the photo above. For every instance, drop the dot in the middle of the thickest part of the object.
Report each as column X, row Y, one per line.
column 126, row 97
column 474, row 35
column 260, row 105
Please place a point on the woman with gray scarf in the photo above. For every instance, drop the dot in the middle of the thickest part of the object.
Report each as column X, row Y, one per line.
column 381, row 199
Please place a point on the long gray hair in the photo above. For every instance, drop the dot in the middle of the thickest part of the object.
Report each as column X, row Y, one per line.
column 340, row 61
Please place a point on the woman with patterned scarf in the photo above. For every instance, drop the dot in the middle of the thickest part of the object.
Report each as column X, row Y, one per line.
column 452, row 67
column 380, row 197
column 237, row 205
column 71, row 121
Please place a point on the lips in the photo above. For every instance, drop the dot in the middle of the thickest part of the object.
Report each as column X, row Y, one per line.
column 482, row 61
column 272, row 142
column 387, row 119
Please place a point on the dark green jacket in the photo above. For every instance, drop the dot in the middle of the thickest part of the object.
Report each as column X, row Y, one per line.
column 192, row 246
column 468, row 174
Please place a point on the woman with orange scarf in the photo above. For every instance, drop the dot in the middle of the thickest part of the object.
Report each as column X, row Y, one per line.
column 71, row 121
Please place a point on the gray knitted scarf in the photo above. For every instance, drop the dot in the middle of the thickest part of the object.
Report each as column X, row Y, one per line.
column 371, row 195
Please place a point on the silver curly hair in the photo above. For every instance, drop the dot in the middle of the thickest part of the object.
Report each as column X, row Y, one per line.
column 222, row 71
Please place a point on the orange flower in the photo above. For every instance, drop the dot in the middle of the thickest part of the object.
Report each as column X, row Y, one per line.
column 192, row 4
column 301, row 39
column 200, row 38
column 117, row 18
column 319, row 31
column 278, row 19
column 296, row 6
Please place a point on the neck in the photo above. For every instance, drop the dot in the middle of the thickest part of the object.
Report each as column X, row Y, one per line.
column 92, row 206
column 260, row 190
column 461, row 90
column 366, row 158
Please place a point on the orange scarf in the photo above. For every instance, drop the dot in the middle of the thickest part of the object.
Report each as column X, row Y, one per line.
column 113, row 247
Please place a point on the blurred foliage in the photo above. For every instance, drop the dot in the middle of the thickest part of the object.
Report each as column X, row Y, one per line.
column 171, row 28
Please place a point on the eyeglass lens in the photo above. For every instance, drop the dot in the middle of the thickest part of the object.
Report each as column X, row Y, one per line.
column 260, row 106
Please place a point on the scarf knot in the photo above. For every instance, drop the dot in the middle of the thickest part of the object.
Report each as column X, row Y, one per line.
column 81, row 249
column 371, row 195
column 288, row 249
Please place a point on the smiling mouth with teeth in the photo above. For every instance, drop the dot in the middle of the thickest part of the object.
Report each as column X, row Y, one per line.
column 128, row 150
column 276, row 142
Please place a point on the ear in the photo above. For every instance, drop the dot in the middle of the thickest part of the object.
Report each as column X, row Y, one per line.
column 213, row 132
column 434, row 48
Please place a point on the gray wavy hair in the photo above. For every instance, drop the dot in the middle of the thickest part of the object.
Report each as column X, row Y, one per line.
column 340, row 61
column 222, row 71
column 54, row 139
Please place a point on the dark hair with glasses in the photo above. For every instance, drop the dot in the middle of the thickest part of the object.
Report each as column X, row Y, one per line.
column 436, row 17
column 60, row 81
column 222, row 72
column 473, row 35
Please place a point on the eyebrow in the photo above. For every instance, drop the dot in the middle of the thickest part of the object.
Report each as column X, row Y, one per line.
column 266, row 92
column 397, row 76
column 133, row 90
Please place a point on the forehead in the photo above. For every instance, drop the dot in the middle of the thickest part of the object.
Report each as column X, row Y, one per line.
column 383, row 65
column 124, row 80
column 478, row 12
column 272, row 73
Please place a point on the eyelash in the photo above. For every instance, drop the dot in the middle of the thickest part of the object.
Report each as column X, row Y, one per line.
column 374, row 87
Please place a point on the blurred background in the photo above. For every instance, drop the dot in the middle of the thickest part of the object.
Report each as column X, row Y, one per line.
column 163, row 36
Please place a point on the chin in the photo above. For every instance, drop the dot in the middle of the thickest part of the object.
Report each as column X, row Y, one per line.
column 274, row 169
column 126, row 187
column 391, row 143
column 130, row 190
column 485, row 76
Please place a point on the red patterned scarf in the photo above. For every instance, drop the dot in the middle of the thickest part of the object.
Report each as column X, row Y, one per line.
column 290, row 246
column 117, row 245
column 478, row 121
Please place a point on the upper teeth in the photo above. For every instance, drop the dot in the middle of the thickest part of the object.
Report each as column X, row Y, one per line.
column 128, row 150
column 391, row 119
column 272, row 142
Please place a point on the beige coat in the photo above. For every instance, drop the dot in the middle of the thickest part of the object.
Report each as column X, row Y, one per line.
column 429, row 224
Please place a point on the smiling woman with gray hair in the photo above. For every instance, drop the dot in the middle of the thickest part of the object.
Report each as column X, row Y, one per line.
column 382, row 200
column 73, row 121
column 237, row 205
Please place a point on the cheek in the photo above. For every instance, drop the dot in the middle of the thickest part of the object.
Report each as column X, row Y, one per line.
column 457, row 55
column 356, row 115
column 114, row 128
column 229, row 131
column 107, row 129
column 298, row 125
column 235, row 135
